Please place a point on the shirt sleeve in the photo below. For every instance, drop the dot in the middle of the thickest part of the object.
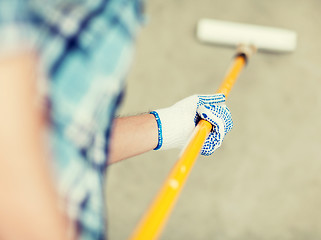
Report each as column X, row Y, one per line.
column 14, row 26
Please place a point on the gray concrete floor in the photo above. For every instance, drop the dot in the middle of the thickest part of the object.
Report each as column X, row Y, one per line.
column 265, row 181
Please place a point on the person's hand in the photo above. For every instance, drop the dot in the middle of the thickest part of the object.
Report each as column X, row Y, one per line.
column 176, row 123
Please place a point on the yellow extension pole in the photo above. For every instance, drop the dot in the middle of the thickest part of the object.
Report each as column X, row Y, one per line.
column 155, row 218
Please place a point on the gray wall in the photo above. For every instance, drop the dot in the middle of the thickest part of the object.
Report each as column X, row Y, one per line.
column 265, row 181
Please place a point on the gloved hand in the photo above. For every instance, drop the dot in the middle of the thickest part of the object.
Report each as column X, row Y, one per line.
column 176, row 123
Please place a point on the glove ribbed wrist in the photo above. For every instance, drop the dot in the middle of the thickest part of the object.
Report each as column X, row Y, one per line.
column 160, row 130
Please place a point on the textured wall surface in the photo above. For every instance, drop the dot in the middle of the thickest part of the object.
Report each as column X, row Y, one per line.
column 265, row 181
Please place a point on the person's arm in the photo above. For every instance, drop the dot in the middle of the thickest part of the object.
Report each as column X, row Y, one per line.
column 132, row 136
column 28, row 201
column 171, row 127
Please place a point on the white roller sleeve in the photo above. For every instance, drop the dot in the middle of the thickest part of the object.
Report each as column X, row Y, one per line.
column 229, row 33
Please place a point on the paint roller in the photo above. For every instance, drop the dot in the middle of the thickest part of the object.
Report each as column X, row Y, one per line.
column 247, row 38
column 234, row 34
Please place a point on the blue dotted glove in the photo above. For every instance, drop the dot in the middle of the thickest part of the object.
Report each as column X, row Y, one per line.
column 176, row 123
column 217, row 113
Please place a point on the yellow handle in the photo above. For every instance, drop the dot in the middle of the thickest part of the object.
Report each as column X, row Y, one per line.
column 155, row 218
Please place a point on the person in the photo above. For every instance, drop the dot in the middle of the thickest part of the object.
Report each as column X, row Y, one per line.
column 63, row 66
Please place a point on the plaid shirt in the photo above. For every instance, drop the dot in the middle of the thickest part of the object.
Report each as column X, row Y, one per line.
column 85, row 49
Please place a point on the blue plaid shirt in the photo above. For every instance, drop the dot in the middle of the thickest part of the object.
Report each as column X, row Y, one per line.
column 85, row 49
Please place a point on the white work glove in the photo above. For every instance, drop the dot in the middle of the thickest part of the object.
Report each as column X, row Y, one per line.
column 176, row 123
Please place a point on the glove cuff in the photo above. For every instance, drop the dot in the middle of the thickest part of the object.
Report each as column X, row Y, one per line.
column 160, row 130
column 173, row 127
